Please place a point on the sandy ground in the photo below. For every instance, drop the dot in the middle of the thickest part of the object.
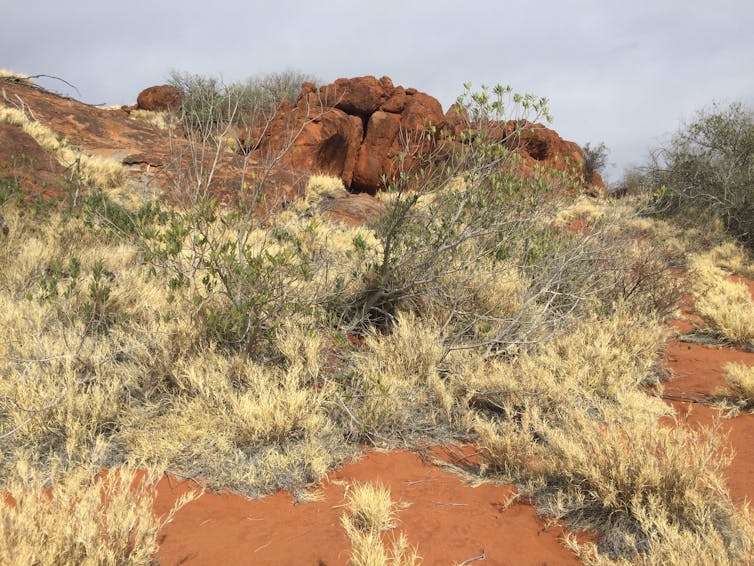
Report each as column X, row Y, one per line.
column 450, row 521
column 697, row 379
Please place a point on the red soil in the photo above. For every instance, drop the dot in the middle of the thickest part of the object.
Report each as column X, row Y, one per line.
column 698, row 370
column 446, row 519
column 698, row 375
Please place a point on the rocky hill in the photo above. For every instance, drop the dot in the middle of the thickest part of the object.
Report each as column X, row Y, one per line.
column 353, row 128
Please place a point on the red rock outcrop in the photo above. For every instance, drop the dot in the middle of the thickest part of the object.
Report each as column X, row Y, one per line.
column 159, row 98
column 357, row 128
column 350, row 128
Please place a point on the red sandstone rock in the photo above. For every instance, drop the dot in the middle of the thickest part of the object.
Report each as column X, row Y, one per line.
column 349, row 128
column 35, row 169
column 159, row 98
column 378, row 152
column 421, row 110
column 357, row 136
column 352, row 209
column 329, row 144
column 361, row 95
column 397, row 101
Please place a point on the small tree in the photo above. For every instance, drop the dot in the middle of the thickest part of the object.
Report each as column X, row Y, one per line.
column 237, row 274
column 595, row 159
column 708, row 167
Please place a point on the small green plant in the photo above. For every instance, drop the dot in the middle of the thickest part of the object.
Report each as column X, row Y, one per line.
column 55, row 274
column 96, row 309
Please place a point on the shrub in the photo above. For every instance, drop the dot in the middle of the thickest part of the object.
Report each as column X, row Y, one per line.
column 209, row 103
column 708, row 168
column 279, row 86
column 595, row 159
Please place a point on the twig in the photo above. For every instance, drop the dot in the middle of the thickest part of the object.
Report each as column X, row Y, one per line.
column 482, row 556
column 57, row 79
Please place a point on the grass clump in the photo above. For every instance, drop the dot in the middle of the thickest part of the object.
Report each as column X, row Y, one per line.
column 82, row 520
column 725, row 305
column 633, row 482
column 740, row 379
column 370, row 511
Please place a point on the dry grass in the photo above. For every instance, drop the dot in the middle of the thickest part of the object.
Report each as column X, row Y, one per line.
column 82, row 520
column 726, row 306
column 8, row 74
column 370, row 512
column 585, row 208
column 394, row 385
column 636, row 483
column 731, row 257
column 564, row 411
column 370, row 507
column 571, row 423
column 98, row 398
column 321, row 187
column 160, row 120
column 741, row 381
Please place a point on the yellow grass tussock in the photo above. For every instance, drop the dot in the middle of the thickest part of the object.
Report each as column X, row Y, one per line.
column 369, row 512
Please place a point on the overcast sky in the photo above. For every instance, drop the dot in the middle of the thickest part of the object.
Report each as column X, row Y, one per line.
column 626, row 73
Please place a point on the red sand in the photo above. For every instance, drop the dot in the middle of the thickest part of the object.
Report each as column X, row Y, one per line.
column 698, row 373
column 698, row 370
column 447, row 520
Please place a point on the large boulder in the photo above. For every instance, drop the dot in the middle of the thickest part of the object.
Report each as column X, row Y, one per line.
column 328, row 144
column 359, row 96
column 349, row 128
column 159, row 98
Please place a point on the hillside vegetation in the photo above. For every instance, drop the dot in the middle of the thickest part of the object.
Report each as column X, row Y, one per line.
column 258, row 352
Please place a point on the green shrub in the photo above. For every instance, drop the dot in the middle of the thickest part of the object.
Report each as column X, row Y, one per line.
column 209, row 104
column 708, row 169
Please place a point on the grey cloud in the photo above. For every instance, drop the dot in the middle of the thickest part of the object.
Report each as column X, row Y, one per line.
column 623, row 73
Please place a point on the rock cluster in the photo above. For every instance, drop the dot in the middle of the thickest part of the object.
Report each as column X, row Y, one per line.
column 356, row 129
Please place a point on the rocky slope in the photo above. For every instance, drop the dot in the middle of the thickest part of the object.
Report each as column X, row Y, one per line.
column 353, row 128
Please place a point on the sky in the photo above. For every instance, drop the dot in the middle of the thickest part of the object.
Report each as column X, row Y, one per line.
column 628, row 74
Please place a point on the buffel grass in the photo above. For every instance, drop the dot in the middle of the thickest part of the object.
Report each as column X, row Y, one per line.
column 370, row 512
column 81, row 519
column 725, row 305
column 107, row 362
column 741, row 382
